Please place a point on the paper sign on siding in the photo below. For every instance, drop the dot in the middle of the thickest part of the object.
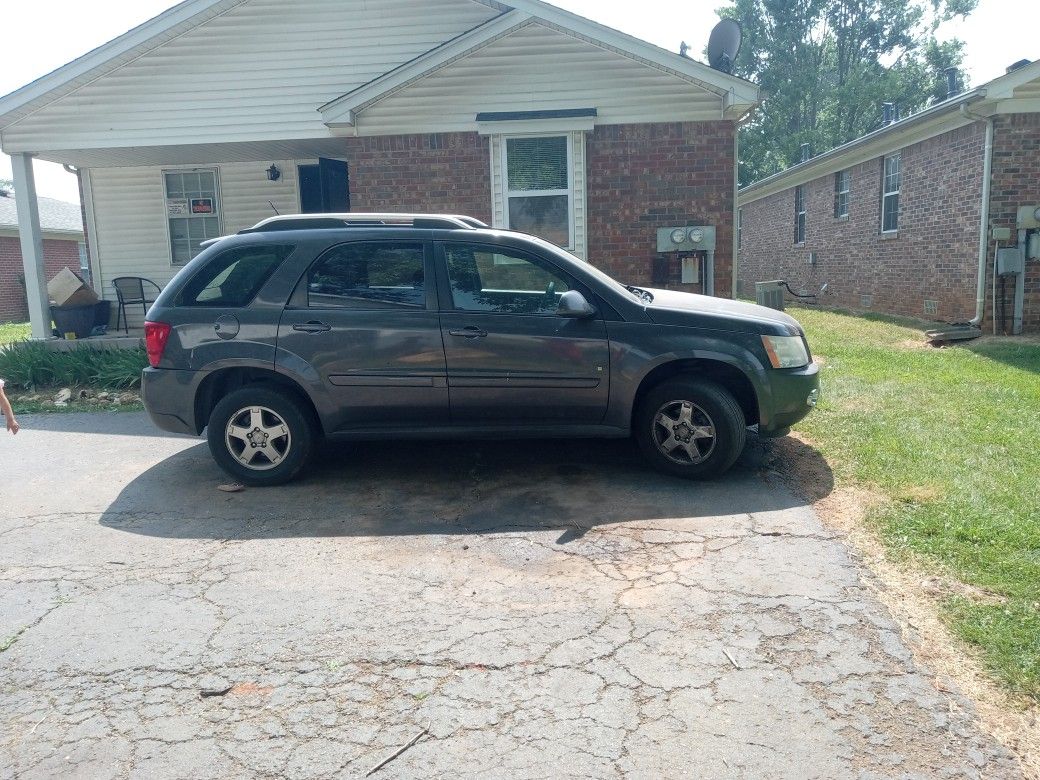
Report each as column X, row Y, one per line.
column 177, row 207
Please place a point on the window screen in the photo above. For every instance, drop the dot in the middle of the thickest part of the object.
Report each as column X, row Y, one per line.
column 489, row 280
column 192, row 209
column 233, row 278
column 368, row 276
column 538, row 187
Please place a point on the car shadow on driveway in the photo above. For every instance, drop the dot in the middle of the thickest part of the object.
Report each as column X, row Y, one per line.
column 456, row 487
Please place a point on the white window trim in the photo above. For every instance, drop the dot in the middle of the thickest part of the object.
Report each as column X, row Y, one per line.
column 576, row 178
column 215, row 170
column 885, row 194
column 845, row 174
column 569, row 191
column 798, row 240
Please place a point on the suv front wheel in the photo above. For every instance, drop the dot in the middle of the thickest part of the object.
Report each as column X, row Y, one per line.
column 691, row 428
column 260, row 436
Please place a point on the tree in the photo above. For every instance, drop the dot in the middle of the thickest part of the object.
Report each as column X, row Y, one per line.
column 826, row 66
column 7, row 185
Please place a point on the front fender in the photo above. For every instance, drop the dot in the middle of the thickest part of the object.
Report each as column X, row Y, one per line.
column 638, row 350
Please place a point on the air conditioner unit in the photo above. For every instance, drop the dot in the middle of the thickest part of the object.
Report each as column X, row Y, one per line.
column 770, row 294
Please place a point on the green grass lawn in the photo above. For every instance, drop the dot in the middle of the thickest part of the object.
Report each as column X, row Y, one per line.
column 13, row 331
column 952, row 436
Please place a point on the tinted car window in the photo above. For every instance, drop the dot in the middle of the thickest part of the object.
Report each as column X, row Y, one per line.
column 233, row 278
column 500, row 280
column 380, row 275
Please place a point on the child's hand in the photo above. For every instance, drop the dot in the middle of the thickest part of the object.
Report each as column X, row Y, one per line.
column 12, row 424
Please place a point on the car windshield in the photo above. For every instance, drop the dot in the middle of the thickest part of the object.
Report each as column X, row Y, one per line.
column 641, row 295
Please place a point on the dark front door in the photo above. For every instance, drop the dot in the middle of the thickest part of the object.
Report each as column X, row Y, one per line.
column 367, row 323
column 510, row 358
column 325, row 187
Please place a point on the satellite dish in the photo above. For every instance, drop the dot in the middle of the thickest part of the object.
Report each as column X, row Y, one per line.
column 723, row 45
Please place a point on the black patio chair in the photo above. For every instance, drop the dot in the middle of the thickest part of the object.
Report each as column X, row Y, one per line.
column 130, row 291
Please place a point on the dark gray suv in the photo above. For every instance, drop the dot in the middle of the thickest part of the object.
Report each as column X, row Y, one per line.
column 376, row 326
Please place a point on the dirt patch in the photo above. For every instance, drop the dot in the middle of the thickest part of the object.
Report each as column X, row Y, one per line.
column 913, row 599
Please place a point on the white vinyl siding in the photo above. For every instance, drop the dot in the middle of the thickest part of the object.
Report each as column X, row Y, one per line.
column 129, row 211
column 576, row 178
column 259, row 71
column 533, row 69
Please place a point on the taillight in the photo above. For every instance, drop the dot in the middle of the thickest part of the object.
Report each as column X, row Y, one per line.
column 155, row 337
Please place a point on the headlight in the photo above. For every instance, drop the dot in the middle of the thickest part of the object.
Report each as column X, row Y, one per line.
column 786, row 351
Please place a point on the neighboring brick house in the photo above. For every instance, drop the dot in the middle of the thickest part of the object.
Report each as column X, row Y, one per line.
column 896, row 222
column 517, row 113
column 63, row 246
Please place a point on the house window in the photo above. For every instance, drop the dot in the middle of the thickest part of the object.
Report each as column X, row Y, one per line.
column 841, row 195
column 537, row 187
column 799, row 214
column 890, row 194
column 192, row 210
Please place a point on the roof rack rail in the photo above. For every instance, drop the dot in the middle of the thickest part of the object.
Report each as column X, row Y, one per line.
column 361, row 219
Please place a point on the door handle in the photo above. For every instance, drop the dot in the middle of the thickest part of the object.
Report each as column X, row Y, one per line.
column 312, row 327
column 469, row 332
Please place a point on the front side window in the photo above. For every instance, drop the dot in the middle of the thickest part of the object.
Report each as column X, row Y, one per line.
column 488, row 279
column 192, row 209
column 538, row 192
column 799, row 215
column 233, row 278
column 841, row 194
column 367, row 276
column 892, row 180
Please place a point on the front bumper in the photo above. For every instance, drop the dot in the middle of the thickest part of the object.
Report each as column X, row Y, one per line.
column 793, row 393
column 168, row 396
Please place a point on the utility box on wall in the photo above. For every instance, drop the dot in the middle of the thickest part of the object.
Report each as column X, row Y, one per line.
column 696, row 238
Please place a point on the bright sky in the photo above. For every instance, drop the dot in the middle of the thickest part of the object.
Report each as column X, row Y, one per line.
column 45, row 34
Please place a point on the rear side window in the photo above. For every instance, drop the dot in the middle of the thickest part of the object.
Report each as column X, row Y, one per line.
column 233, row 278
column 383, row 275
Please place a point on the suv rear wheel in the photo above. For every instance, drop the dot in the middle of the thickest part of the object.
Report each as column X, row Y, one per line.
column 260, row 435
column 691, row 428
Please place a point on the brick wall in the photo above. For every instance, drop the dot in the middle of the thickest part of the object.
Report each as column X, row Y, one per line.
column 642, row 177
column 639, row 178
column 933, row 257
column 1016, row 182
column 439, row 172
column 57, row 254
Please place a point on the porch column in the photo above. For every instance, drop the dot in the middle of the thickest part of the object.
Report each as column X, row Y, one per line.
column 32, row 245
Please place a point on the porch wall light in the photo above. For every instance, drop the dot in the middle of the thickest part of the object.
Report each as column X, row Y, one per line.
column 273, row 174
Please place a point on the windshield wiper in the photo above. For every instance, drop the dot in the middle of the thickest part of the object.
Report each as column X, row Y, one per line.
column 639, row 292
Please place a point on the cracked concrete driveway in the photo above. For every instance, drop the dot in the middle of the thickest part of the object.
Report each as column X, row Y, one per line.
column 545, row 609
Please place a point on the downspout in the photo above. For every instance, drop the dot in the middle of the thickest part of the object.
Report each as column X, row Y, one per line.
column 987, row 166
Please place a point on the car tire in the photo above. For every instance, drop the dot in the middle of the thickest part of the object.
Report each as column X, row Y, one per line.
column 261, row 435
column 691, row 428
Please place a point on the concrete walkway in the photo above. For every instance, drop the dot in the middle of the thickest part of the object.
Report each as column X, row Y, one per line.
column 544, row 609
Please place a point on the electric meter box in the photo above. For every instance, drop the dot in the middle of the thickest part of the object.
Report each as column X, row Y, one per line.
column 689, row 238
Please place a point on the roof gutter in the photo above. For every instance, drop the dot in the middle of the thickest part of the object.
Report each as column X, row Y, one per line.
column 819, row 161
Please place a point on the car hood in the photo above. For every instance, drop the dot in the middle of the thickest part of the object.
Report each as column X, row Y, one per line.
column 704, row 311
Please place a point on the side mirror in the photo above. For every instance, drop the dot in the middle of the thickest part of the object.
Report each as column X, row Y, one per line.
column 573, row 305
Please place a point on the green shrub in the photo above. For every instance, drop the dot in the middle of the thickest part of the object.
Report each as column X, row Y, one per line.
column 34, row 364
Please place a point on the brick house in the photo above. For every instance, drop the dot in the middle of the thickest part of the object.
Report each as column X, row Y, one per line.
column 61, row 224
column 902, row 220
column 218, row 113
